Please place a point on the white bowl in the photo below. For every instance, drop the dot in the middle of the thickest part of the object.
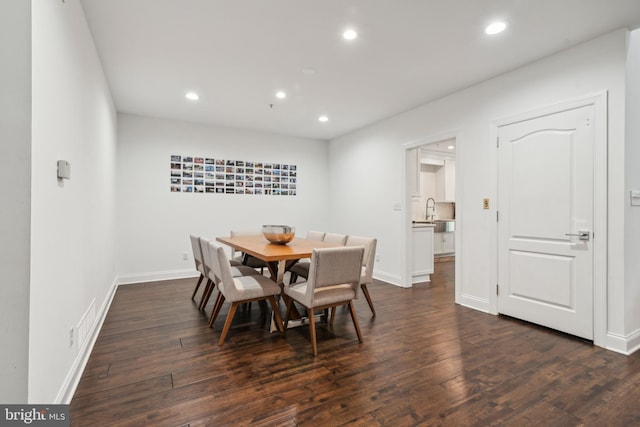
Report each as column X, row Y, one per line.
column 278, row 234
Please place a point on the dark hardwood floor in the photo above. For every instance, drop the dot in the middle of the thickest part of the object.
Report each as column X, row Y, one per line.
column 424, row 361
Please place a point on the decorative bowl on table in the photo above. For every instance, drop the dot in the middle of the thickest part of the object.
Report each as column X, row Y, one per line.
column 278, row 234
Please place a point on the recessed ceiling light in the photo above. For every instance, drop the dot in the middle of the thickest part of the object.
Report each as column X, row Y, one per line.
column 323, row 119
column 451, row 147
column 349, row 34
column 495, row 27
column 308, row 71
column 192, row 96
column 281, row 95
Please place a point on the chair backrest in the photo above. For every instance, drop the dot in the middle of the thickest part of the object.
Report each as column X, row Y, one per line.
column 315, row 235
column 217, row 268
column 334, row 267
column 241, row 233
column 197, row 253
column 222, row 270
column 336, row 239
column 206, row 258
column 369, row 258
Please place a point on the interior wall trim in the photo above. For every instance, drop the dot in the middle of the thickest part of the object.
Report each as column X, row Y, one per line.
column 131, row 279
column 70, row 384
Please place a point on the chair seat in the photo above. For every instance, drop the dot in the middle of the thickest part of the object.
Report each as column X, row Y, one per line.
column 322, row 296
column 301, row 268
column 243, row 270
column 254, row 286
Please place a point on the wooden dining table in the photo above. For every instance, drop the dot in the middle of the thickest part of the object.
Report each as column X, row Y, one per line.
column 278, row 258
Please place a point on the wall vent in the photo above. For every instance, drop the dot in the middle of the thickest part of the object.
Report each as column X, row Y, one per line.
column 85, row 324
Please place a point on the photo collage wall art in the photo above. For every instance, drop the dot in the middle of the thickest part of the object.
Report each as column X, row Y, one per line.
column 191, row 174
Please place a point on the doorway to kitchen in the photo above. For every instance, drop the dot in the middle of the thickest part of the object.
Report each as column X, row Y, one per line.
column 431, row 206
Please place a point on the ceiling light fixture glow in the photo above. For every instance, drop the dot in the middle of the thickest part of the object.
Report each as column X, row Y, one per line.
column 451, row 147
column 495, row 27
column 281, row 95
column 349, row 34
column 192, row 96
column 323, row 119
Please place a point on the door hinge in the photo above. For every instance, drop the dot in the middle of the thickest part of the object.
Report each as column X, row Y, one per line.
column 497, row 289
column 497, row 216
column 497, row 142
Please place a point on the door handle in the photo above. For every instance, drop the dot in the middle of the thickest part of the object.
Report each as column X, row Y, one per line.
column 582, row 234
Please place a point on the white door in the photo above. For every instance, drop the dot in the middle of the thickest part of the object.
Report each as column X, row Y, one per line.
column 545, row 201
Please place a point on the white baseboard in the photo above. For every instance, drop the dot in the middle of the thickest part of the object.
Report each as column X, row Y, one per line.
column 70, row 384
column 156, row 276
column 624, row 344
column 473, row 302
column 72, row 380
column 389, row 278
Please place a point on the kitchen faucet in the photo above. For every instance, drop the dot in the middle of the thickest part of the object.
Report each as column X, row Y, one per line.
column 433, row 208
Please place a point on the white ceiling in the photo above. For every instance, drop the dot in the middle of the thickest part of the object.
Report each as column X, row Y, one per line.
column 237, row 53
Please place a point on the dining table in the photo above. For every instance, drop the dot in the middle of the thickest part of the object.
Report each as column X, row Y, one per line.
column 278, row 258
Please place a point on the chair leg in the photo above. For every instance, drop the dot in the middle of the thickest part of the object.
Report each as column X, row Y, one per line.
column 205, row 298
column 293, row 277
column 287, row 316
column 227, row 323
column 312, row 331
column 276, row 313
column 365, row 291
column 333, row 315
column 216, row 309
column 355, row 320
column 197, row 286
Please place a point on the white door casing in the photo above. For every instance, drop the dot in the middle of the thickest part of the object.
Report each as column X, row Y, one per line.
column 545, row 192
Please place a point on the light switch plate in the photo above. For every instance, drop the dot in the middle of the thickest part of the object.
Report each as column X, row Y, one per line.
column 64, row 169
column 635, row 198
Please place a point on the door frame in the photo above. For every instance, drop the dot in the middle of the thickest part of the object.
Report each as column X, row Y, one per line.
column 407, row 220
column 600, row 236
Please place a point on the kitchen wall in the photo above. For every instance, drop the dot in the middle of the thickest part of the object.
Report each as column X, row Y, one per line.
column 72, row 221
column 598, row 65
column 154, row 224
column 15, row 215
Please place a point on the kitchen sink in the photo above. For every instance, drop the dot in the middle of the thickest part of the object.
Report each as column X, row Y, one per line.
column 441, row 225
column 444, row 226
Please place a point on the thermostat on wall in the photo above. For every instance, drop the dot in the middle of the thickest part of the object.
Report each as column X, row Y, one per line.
column 64, row 169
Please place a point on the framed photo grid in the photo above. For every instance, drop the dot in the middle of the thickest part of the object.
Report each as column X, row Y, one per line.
column 191, row 174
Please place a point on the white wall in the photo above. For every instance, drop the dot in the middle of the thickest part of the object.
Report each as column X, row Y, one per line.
column 632, row 170
column 15, row 214
column 72, row 221
column 154, row 224
column 586, row 69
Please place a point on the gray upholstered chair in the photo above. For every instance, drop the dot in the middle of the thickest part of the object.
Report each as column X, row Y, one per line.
column 301, row 268
column 239, row 290
column 246, row 259
column 236, row 270
column 368, row 260
column 197, row 258
column 334, row 277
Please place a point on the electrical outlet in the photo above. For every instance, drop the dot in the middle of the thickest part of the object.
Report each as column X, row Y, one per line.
column 71, row 337
column 185, row 256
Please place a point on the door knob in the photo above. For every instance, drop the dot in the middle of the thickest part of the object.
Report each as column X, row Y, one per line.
column 582, row 234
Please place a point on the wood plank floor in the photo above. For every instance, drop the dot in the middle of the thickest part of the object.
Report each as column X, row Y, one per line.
column 424, row 361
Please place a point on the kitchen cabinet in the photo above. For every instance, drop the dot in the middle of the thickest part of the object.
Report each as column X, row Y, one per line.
column 422, row 236
column 446, row 181
column 444, row 243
